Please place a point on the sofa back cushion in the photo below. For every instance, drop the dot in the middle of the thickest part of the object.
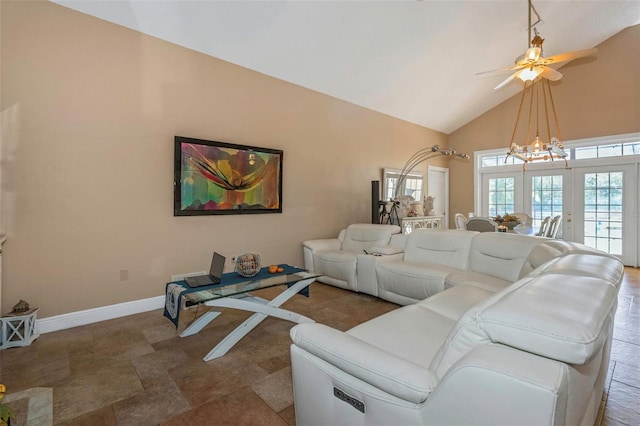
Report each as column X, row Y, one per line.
column 554, row 250
column 593, row 265
column 359, row 236
column 500, row 254
column 448, row 247
column 562, row 317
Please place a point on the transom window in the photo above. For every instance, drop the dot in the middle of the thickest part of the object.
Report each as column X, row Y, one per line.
column 599, row 150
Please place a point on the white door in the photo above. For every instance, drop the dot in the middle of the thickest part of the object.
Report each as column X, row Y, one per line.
column 438, row 187
column 604, row 197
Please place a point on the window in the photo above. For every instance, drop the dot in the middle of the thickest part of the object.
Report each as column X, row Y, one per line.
column 501, row 196
column 589, row 150
column 607, row 150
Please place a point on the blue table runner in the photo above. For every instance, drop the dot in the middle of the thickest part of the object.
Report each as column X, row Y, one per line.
column 176, row 289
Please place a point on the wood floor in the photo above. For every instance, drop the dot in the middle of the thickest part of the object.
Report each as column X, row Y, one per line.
column 137, row 371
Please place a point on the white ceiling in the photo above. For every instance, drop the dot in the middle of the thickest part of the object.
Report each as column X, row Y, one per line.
column 414, row 60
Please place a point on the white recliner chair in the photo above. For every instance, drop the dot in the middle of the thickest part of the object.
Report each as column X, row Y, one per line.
column 336, row 258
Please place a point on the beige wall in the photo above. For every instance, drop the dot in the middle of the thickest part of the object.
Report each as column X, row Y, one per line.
column 597, row 96
column 89, row 112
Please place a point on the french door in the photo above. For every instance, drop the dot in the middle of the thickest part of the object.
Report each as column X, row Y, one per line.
column 605, row 201
column 548, row 193
column 598, row 204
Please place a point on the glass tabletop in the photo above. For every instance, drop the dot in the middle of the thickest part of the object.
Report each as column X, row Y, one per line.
column 243, row 287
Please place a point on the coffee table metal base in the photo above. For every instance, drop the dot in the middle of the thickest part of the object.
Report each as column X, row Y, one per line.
column 263, row 308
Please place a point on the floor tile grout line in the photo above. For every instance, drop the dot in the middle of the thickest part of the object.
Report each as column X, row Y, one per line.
column 626, row 384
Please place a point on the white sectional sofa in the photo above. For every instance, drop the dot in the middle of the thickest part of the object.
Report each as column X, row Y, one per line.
column 510, row 330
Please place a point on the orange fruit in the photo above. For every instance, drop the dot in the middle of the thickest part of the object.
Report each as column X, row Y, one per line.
column 273, row 269
column 280, row 269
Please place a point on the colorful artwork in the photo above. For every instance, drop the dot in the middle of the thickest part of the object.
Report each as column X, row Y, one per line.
column 222, row 178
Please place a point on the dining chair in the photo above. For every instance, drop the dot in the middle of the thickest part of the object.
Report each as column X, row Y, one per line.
column 482, row 224
column 544, row 226
column 524, row 218
column 554, row 227
column 461, row 221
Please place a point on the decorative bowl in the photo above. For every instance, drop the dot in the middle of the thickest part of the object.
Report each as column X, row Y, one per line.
column 248, row 264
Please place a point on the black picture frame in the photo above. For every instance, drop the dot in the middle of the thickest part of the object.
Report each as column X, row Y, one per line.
column 218, row 178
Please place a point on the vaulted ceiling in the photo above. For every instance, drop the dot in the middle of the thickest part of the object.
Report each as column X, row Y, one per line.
column 415, row 60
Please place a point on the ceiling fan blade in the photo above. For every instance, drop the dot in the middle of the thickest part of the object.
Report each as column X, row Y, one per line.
column 499, row 70
column 550, row 74
column 563, row 57
column 506, row 81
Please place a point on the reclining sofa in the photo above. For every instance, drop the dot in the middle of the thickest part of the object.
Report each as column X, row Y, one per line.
column 340, row 260
column 498, row 329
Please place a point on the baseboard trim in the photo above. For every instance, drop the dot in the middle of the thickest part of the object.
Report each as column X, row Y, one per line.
column 89, row 316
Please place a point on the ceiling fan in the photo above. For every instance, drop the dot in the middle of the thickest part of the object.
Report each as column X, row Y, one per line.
column 533, row 63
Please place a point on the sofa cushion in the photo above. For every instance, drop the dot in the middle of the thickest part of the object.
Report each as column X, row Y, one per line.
column 338, row 267
column 415, row 280
column 562, row 317
column 549, row 249
column 476, row 279
column 500, row 254
column 360, row 359
column 586, row 265
column 541, row 254
column 412, row 332
column 359, row 236
column 454, row 302
column 447, row 248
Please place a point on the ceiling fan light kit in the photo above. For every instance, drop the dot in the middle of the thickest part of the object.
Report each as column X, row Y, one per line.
column 533, row 69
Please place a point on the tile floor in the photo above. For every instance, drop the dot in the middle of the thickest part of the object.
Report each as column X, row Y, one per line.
column 137, row 371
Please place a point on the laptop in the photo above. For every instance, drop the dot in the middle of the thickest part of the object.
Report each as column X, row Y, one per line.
column 215, row 273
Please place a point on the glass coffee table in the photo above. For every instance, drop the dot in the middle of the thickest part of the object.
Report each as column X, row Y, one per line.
column 237, row 295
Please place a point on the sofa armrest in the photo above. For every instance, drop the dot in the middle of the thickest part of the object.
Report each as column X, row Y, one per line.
column 366, row 362
column 312, row 246
column 366, row 271
column 323, row 244
column 477, row 389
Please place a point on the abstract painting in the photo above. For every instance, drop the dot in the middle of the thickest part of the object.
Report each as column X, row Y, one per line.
column 213, row 177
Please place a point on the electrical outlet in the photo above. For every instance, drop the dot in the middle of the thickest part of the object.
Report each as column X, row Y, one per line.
column 124, row 275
